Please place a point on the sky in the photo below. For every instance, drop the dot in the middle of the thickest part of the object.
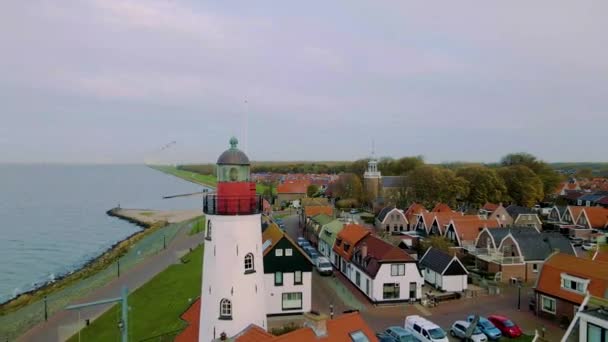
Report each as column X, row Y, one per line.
column 113, row 81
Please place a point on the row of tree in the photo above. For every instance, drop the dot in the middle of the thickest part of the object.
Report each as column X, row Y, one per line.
column 519, row 178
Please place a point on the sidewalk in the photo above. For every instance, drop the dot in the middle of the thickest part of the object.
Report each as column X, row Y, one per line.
column 64, row 324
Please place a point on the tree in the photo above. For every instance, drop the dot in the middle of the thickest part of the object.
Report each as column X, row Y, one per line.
column 348, row 185
column 524, row 187
column 485, row 185
column 432, row 184
column 547, row 175
column 312, row 190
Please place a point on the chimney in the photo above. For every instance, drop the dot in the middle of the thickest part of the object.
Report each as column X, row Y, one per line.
column 363, row 251
column 317, row 322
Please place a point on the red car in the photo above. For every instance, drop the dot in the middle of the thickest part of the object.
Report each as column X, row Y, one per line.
column 505, row 325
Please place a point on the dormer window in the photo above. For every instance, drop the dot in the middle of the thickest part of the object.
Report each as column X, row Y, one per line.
column 346, row 247
column 575, row 284
column 338, row 242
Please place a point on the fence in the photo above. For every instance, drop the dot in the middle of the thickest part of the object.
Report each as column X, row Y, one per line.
column 15, row 323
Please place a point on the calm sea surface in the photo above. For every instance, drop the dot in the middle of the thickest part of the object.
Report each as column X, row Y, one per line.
column 53, row 220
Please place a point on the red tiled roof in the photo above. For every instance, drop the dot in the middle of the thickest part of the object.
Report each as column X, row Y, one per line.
column 597, row 216
column 191, row 315
column 338, row 330
column 292, row 188
column 575, row 211
column 441, row 207
column 351, row 234
column 313, row 210
column 254, row 334
column 549, row 280
column 490, row 206
column 443, row 219
column 468, row 227
column 384, row 251
column 601, row 256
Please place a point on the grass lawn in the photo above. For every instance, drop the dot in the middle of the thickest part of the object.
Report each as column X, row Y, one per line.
column 198, row 226
column 155, row 307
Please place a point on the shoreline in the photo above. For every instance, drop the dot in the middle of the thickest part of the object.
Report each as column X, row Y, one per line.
column 89, row 268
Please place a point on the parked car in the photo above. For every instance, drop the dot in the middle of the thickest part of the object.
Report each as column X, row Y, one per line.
column 486, row 327
column 304, row 244
column 312, row 252
column 324, row 266
column 576, row 242
column 400, row 334
column 354, row 211
column 300, row 240
column 459, row 329
column 588, row 246
column 425, row 330
column 384, row 337
column 505, row 325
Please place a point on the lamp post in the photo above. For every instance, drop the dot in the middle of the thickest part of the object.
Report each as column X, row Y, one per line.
column 518, row 295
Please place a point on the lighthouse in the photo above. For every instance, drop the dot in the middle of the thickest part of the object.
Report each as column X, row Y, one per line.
column 232, row 294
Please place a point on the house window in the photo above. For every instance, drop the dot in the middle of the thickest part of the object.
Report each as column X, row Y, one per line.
column 278, row 252
column 535, row 268
column 367, row 286
column 398, row 270
column 288, row 252
column 249, row 267
column 292, row 301
column 225, row 309
column 208, row 232
column 390, row 291
column 278, row 278
column 575, row 284
column 388, row 227
column 595, row 333
column 297, row 278
column 357, row 278
column 548, row 304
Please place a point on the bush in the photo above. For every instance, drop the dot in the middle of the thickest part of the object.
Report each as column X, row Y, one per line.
column 347, row 203
column 289, row 327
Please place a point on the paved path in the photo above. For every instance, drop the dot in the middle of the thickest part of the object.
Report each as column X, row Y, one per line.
column 63, row 324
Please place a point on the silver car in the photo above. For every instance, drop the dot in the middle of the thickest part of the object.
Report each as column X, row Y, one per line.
column 459, row 329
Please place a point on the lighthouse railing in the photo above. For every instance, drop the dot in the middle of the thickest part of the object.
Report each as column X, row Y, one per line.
column 232, row 205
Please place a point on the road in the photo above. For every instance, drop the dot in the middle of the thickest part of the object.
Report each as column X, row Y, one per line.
column 64, row 324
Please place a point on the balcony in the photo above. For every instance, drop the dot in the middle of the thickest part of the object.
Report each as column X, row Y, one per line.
column 232, row 205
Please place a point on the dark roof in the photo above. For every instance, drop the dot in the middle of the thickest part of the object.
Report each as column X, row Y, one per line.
column 233, row 156
column 384, row 212
column 573, row 194
column 393, row 181
column 561, row 209
column 516, row 210
column 499, row 233
column 592, row 197
column 541, row 245
column 438, row 261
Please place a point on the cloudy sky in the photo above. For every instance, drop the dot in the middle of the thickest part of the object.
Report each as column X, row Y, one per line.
column 112, row 81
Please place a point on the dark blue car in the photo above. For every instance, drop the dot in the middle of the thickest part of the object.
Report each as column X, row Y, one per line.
column 486, row 327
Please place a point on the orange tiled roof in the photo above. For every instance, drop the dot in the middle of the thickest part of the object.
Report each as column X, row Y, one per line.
column 601, row 256
column 313, row 210
column 549, row 280
column 575, row 211
column 254, row 334
column 191, row 316
column 468, row 227
column 351, row 234
column 338, row 330
column 490, row 206
column 443, row 218
column 441, row 207
column 292, row 188
column 597, row 216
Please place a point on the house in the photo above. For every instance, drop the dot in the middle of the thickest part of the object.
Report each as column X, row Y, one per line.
column 523, row 216
column 347, row 327
column 488, row 209
column 563, row 283
column 570, row 216
column 571, row 196
column 593, row 218
column 291, row 191
column 327, row 237
column 441, row 221
column 412, row 214
column 287, row 274
column 313, row 227
column 443, row 271
column 308, row 211
column 590, row 322
column 563, row 187
column 381, row 271
column 517, row 252
column 391, row 219
column 441, row 208
column 463, row 231
column 555, row 214
column 592, row 199
column 502, row 215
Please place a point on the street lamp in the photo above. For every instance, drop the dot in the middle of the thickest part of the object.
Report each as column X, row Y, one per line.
column 518, row 295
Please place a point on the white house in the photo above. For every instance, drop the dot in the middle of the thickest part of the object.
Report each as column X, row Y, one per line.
column 443, row 271
column 383, row 272
column 287, row 274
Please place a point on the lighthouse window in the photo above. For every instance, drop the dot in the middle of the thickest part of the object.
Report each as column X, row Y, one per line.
column 225, row 309
column 208, row 233
column 249, row 263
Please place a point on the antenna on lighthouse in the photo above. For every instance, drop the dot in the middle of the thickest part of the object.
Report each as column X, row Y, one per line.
column 245, row 138
column 373, row 148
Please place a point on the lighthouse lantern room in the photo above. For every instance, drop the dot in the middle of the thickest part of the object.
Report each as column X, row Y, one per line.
column 232, row 294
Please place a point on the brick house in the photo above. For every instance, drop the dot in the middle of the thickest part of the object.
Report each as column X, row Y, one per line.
column 391, row 219
column 463, row 231
column 517, row 252
column 564, row 281
column 291, row 191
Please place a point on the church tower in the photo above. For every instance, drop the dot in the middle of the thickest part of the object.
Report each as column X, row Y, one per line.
column 232, row 294
column 371, row 179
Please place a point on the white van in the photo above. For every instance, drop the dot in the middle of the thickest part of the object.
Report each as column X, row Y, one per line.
column 425, row 330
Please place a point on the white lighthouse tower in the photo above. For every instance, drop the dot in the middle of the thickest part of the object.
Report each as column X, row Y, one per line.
column 232, row 294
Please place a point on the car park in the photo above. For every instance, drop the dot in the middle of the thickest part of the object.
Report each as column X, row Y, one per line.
column 425, row 330
column 400, row 334
column 505, row 325
column 324, row 266
column 459, row 329
column 486, row 327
